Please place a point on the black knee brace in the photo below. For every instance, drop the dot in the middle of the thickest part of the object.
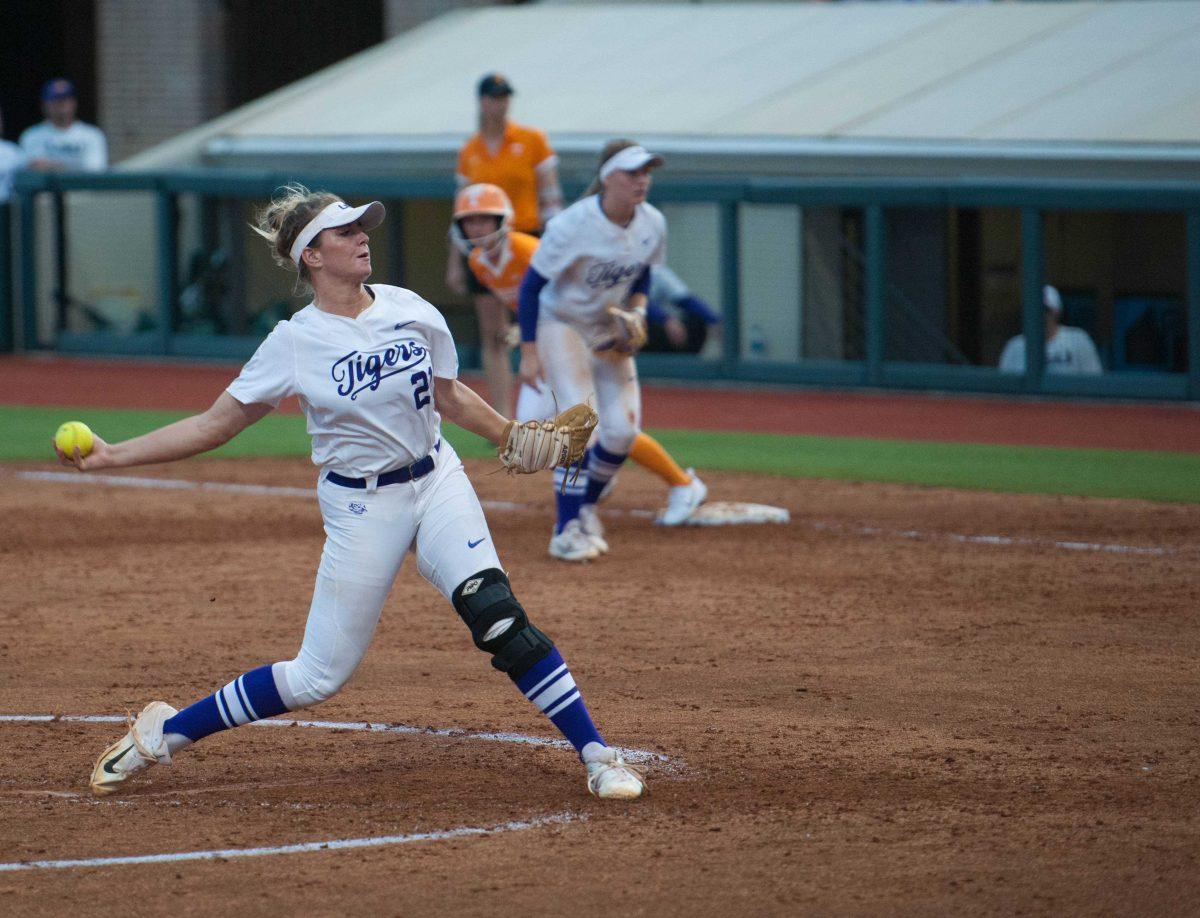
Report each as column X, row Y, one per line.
column 487, row 598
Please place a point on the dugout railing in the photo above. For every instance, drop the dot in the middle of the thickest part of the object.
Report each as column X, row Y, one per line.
column 43, row 241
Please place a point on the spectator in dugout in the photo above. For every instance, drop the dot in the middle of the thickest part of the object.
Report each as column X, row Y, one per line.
column 1069, row 351
column 62, row 142
column 520, row 160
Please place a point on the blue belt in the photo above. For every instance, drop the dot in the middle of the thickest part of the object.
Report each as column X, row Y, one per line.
column 418, row 469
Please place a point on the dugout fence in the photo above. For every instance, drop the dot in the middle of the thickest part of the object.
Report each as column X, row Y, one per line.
column 890, row 283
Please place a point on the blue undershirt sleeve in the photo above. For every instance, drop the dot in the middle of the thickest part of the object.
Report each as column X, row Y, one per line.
column 697, row 307
column 642, row 284
column 527, row 304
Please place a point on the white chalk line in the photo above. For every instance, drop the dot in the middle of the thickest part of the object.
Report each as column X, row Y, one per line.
column 335, row 844
column 997, row 540
column 143, row 795
column 172, row 484
column 638, row 756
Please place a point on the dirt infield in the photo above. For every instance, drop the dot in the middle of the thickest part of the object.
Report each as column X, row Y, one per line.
column 865, row 713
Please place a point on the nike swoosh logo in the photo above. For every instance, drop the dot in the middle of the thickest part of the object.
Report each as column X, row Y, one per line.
column 471, row 544
column 402, row 324
column 108, row 766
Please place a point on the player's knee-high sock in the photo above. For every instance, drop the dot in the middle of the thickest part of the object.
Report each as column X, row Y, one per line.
column 649, row 453
column 251, row 696
column 601, row 466
column 550, row 686
column 568, row 494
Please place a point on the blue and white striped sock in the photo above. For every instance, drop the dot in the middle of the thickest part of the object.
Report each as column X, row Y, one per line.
column 551, row 687
column 251, row 696
column 601, row 467
column 568, row 495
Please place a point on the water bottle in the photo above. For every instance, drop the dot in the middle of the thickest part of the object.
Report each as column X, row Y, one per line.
column 756, row 342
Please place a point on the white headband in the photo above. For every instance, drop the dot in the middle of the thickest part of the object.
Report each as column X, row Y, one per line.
column 339, row 213
column 629, row 160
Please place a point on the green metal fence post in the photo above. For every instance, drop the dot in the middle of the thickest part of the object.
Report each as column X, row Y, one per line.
column 875, row 245
column 731, row 269
column 168, row 267
column 1193, row 303
column 28, row 262
column 1032, row 309
column 7, row 314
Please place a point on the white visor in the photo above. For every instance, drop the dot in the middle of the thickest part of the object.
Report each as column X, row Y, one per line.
column 339, row 213
column 629, row 160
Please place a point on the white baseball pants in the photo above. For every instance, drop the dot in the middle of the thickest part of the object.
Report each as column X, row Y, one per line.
column 367, row 533
column 574, row 374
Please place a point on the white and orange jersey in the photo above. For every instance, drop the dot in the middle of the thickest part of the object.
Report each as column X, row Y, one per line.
column 503, row 276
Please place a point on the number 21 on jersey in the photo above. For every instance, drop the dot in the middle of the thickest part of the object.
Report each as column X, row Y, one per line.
column 420, row 381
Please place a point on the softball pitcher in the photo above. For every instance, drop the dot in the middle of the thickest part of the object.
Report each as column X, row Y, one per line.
column 582, row 313
column 375, row 369
column 498, row 257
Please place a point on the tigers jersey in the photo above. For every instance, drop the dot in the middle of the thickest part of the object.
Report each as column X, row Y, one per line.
column 523, row 154
column 504, row 276
column 365, row 384
column 590, row 262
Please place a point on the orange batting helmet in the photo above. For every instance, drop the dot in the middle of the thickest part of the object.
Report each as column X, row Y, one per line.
column 480, row 199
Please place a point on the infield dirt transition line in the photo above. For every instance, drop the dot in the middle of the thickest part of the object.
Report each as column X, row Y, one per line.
column 177, row 484
column 632, row 755
column 336, row 844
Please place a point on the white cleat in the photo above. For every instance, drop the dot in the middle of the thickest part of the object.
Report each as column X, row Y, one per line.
column 573, row 544
column 589, row 519
column 142, row 746
column 682, row 501
column 612, row 778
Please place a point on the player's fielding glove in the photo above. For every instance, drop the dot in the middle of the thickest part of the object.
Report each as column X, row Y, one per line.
column 628, row 335
column 536, row 445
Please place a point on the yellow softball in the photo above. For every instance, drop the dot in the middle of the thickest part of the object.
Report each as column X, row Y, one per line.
column 73, row 434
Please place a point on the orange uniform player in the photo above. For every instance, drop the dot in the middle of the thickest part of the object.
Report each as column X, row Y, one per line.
column 503, row 276
column 498, row 257
column 520, row 160
column 521, row 154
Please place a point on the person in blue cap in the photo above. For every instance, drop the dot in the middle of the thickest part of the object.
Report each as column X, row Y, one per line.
column 62, row 142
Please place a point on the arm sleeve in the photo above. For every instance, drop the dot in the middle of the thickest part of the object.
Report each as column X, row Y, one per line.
column 1089, row 357
column 461, row 179
column 659, row 255
column 655, row 314
column 667, row 285
column 28, row 142
column 443, row 355
column 555, row 252
column 96, row 159
column 695, row 306
column 1012, row 359
column 642, row 284
column 542, row 151
column 528, row 302
column 270, row 375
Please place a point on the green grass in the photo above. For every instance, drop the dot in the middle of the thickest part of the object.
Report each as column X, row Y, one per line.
column 25, row 435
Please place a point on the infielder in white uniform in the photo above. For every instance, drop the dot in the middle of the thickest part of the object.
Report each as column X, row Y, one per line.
column 582, row 313
column 375, row 369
